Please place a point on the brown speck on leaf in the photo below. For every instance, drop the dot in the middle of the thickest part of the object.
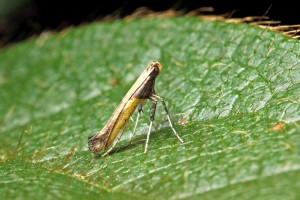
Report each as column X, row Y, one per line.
column 278, row 127
column 113, row 82
column 182, row 121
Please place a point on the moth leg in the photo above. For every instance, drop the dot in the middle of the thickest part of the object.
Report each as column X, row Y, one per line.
column 114, row 144
column 152, row 115
column 169, row 119
column 131, row 119
column 140, row 110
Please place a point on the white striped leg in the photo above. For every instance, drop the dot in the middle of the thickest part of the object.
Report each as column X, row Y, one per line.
column 140, row 110
column 167, row 113
column 152, row 115
column 114, row 144
column 148, row 136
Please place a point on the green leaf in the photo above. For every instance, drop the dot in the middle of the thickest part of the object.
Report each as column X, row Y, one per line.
column 232, row 91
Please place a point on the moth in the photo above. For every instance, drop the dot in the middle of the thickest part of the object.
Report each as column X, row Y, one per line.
column 141, row 91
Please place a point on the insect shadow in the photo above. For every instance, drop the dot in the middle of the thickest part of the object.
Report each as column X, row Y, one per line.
column 125, row 145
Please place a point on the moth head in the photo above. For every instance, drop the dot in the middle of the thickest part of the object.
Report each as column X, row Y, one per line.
column 155, row 68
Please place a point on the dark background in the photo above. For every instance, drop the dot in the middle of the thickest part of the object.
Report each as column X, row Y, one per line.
column 25, row 18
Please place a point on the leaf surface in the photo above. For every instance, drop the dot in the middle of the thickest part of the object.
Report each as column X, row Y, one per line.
column 232, row 91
